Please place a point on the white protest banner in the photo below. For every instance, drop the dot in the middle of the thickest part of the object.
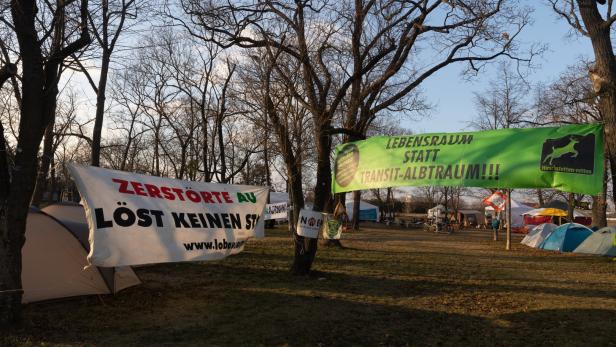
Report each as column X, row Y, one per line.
column 309, row 223
column 138, row 219
column 275, row 211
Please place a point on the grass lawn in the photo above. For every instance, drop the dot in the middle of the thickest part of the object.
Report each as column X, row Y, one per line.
column 386, row 287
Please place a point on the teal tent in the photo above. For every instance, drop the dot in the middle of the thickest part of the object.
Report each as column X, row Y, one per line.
column 566, row 237
column 367, row 211
column 601, row 242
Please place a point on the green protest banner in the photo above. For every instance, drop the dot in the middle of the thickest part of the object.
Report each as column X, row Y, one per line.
column 568, row 158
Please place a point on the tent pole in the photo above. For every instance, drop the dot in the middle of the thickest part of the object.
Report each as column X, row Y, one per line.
column 508, row 216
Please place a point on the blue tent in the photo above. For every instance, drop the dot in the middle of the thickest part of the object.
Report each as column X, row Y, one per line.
column 601, row 242
column 367, row 211
column 566, row 237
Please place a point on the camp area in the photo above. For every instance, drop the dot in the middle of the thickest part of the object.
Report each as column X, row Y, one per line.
column 386, row 287
column 307, row 173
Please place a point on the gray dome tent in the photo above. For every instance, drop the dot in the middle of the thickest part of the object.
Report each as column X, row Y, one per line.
column 538, row 234
column 601, row 242
column 54, row 261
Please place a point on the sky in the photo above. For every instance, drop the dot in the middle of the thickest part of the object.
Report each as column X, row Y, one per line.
column 453, row 96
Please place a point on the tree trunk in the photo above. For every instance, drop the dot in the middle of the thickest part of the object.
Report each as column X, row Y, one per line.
column 508, row 236
column 38, row 96
column 13, row 226
column 10, row 272
column 221, row 149
column 612, row 164
column 599, row 209
column 356, row 209
column 14, row 205
column 322, row 189
column 7, row 71
column 53, row 73
column 157, row 147
column 100, row 110
column 603, row 74
column 204, row 149
column 303, row 254
column 266, row 159
column 540, row 197
column 306, row 249
column 571, row 209
column 603, row 77
column 48, row 152
column 129, row 143
column 52, row 177
column 599, row 202
column 183, row 154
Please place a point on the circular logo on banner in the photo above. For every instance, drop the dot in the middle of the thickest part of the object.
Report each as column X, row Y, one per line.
column 347, row 162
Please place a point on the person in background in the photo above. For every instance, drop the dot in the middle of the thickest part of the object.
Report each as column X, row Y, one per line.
column 340, row 214
column 495, row 226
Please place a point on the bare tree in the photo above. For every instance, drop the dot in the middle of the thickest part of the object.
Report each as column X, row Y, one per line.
column 55, row 134
column 7, row 70
column 108, row 20
column 430, row 194
column 177, row 97
column 47, row 34
column 278, row 99
column 594, row 19
column 504, row 104
column 357, row 55
column 128, row 121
